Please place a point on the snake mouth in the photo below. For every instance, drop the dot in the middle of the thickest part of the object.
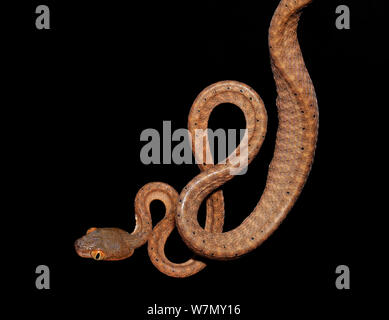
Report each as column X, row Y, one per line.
column 83, row 253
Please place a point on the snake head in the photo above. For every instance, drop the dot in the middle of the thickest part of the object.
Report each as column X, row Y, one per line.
column 104, row 244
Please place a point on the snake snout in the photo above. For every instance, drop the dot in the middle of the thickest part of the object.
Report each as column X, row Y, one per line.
column 80, row 250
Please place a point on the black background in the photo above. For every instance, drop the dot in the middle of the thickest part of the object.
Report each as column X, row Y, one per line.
column 85, row 90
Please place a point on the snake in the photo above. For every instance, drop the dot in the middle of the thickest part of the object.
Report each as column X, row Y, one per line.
column 296, row 138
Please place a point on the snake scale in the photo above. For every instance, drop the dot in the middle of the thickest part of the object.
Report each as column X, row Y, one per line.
column 288, row 171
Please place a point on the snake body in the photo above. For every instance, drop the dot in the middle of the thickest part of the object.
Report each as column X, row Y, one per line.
column 288, row 171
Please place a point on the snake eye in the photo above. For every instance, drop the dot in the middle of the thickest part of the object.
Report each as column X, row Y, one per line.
column 97, row 254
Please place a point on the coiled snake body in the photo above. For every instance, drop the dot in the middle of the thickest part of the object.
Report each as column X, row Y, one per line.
column 288, row 170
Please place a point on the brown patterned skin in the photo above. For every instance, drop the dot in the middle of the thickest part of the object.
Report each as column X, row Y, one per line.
column 293, row 154
column 116, row 244
column 288, row 170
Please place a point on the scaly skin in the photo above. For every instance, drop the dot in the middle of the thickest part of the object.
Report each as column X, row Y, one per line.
column 293, row 154
column 117, row 244
column 288, row 170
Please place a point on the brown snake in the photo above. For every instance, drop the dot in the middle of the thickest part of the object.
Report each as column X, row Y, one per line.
column 288, row 170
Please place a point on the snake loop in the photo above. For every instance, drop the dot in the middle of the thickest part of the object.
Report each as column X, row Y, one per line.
column 288, row 170
column 293, row 154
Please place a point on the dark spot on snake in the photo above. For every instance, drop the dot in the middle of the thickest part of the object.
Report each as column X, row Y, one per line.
column 252, row 238
column 302, row 111
column 287, row 192
column 228, row 88
column 178, row 215
column 302, row 148
column 303, row 128
column 203, row 241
